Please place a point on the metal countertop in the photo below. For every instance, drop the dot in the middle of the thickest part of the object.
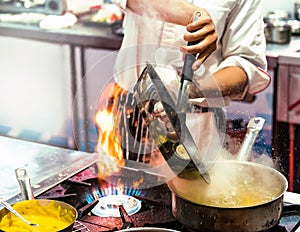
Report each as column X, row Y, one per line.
column 48, row 165
column 275, row 50
column 77, row 35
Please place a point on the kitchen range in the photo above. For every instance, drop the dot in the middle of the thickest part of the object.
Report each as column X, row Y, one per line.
column 98, row 202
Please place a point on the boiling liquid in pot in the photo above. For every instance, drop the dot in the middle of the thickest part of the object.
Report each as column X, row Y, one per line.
column 244, row 194
column 233, row 185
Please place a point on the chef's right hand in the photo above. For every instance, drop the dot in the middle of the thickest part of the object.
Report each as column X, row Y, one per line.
column 201, row 31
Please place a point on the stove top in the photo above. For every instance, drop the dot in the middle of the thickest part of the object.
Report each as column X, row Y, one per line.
column 81, row 192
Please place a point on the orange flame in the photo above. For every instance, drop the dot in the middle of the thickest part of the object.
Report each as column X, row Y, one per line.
column 136, row 184
column 108, row 145
column 107, row 139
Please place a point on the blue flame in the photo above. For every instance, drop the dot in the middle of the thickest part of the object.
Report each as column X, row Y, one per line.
column 98, row 193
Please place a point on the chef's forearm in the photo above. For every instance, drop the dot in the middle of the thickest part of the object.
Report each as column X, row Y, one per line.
column 232, row 81
column 172, row 11
column 227, row 82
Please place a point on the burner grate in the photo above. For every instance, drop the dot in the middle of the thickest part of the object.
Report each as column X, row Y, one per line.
column 79, row 227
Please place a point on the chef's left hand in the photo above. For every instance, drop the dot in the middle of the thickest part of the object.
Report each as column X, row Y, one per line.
column 203, row 31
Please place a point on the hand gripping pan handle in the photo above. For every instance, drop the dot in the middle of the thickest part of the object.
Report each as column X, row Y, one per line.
column 187, row 76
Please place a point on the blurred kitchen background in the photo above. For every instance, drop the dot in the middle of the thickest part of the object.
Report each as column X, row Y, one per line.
column 57, row 56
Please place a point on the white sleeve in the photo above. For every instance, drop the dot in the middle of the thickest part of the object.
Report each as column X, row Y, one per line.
column 244, row 44
column 120, row 3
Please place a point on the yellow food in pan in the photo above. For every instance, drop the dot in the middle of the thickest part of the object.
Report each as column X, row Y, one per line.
column 51, row 217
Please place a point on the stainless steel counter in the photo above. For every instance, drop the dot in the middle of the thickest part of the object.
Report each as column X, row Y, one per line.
column 47, row 165
column 102, row 37
column 275, row 50
column 77, row 35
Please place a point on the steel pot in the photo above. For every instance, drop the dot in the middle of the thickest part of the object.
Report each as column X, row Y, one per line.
column 295, row 26
column 197, row 205
column 278, row 31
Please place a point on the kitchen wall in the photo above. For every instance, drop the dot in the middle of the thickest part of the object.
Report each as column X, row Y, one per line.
column 287, row 5
column 35, row 91
column 36, row 100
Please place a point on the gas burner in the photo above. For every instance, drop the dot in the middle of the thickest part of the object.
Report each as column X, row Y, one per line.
column 108, row 206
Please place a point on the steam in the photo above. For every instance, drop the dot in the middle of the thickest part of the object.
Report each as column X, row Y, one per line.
column 265, row 160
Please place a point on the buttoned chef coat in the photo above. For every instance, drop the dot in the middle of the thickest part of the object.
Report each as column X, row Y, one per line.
column 241, row 42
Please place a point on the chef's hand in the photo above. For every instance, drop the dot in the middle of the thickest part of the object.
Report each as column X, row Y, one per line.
column 202, row 30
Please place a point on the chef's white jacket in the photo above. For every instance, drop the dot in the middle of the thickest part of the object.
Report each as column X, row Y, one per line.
column 241, row 42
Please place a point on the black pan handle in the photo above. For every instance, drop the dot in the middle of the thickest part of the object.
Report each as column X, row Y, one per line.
column 187, row 75
column 187, row 72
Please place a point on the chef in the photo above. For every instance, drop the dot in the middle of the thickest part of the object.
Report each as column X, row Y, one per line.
column 229, row 44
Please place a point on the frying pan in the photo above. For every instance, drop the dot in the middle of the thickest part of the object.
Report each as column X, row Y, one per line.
column 36, row 206
column 165, row 125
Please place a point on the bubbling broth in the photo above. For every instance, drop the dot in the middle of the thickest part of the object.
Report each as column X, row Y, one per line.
column 245, row 194
column 233, row 185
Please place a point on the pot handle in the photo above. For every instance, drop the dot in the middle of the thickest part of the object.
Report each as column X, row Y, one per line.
column 254, row 127
column 22, row 175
